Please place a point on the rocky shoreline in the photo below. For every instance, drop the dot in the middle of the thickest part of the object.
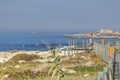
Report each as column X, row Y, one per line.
column 98, row 34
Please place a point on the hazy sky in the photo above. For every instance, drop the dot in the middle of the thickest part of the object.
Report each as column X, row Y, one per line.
column 59, row 15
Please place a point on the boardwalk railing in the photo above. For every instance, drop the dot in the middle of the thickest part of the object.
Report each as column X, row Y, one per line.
column 103, row 51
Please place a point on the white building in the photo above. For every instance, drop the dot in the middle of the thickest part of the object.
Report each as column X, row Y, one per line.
column 106, row 31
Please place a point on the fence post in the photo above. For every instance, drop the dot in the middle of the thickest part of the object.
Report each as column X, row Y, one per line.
column 105, row 73
column 83, row 45
column 100, row 75
column 114, row 61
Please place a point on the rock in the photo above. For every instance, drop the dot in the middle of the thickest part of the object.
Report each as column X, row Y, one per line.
column 17, row 66
column 35, row 70
column 38, row 60
column 85, row 57
column 89, row 64
column 69, row 71
column 14, row 51
column 51, row 60
column 2, row 60
column 5, row 56
column 21, row 61
column 3, row 68
column 86, row 75
column 37, row 52
column 44, row 60
column 5, row 76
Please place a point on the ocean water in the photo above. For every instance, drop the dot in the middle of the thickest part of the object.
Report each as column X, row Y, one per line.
column 30, row 41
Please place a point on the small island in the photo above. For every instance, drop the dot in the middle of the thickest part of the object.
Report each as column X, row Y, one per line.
column 103, row 33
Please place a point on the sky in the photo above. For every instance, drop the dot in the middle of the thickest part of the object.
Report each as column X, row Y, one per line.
column 59, row 15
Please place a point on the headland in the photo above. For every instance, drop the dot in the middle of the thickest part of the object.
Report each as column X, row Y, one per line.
column 103, row 33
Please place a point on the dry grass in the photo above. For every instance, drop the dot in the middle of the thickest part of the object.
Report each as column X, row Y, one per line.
column 38, row 70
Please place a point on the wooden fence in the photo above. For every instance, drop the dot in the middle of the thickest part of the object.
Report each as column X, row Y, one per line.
column 104, row 52
column 118, row 44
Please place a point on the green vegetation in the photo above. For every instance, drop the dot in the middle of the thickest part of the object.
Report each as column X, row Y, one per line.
column 26, row 57
column 58, row 69
column 88, row 69
column 118, row 51
column 16, row 70
column 28, row 74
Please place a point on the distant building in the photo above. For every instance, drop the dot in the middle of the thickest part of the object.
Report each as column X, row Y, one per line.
column 103, row 33
column 106, row 31
column 117, row 33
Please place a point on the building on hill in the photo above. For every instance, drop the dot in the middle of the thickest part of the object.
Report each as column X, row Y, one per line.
column 106, row 31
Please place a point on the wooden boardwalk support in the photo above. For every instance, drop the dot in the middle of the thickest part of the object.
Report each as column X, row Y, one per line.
column 74, row 47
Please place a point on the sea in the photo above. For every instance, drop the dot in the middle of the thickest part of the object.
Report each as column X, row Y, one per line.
column 37, row 41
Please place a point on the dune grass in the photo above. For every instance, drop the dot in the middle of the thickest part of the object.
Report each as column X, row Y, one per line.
column 27, row 70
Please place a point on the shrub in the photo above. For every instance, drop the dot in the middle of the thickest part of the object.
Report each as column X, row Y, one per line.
column 25, row 57
column 88, row 69
column 28, row 74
